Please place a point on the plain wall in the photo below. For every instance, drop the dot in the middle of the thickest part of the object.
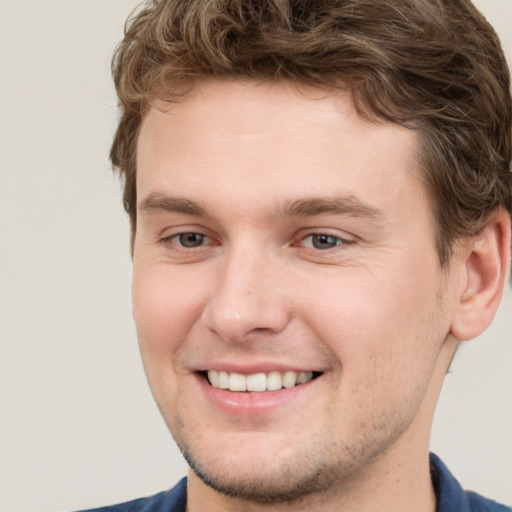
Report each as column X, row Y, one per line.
column 78, row 424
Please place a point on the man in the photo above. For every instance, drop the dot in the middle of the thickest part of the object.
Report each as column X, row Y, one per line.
column 320, row 198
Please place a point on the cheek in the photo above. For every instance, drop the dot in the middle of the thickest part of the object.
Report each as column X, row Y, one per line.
column 374, row 327
column 166, row 304
column 384, row 348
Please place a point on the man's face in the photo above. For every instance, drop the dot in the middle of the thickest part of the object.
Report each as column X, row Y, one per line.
column 280, row 236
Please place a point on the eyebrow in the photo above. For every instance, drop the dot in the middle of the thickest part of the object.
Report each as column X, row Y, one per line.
column 345, row 205
column 158, row 202
column 307, row 207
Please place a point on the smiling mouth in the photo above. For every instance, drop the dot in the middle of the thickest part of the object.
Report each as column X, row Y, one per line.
column 258, row 382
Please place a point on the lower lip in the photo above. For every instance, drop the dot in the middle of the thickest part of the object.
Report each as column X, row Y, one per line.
column 252, row 403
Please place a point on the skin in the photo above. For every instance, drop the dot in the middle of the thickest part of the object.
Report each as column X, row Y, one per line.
column 374, row 312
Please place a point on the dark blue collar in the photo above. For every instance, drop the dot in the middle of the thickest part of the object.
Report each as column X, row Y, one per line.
column 449, row 493
column 451, row 497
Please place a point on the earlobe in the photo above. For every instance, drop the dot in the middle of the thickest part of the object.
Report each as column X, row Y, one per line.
column 487, row 258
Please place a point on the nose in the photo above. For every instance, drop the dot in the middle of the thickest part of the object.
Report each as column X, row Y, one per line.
column 247, row 298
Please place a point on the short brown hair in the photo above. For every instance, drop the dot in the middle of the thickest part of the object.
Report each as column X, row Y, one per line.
column 435, row 66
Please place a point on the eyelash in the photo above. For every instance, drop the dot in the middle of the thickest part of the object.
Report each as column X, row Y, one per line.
column 339, row 241
column 178, row 239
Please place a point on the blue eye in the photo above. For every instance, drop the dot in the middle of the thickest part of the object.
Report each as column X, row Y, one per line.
column 323, row 241
column 191, row 240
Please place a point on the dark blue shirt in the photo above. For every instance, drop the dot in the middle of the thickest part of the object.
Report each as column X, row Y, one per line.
column 450, row 496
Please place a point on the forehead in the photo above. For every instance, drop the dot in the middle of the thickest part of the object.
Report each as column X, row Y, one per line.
column 275, row 108
column 247, row 139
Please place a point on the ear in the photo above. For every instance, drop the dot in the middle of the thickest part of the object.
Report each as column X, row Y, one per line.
column 486, row 258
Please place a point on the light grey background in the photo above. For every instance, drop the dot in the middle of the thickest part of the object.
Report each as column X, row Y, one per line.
column 78, row 425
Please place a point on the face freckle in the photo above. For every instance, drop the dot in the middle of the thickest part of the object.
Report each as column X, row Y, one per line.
column 247, row 167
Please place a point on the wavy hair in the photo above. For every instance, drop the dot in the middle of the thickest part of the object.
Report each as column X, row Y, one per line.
column 434, row 66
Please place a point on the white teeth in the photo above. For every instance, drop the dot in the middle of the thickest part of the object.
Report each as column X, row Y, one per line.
column 223, row 380
column 272, row 381
column 289, row 379
column 256, row 382
column 303, row 377
column 213, row 377
column 237, row 382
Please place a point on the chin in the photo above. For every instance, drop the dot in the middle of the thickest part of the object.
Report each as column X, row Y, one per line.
column 265, row 481
column 264, row 474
